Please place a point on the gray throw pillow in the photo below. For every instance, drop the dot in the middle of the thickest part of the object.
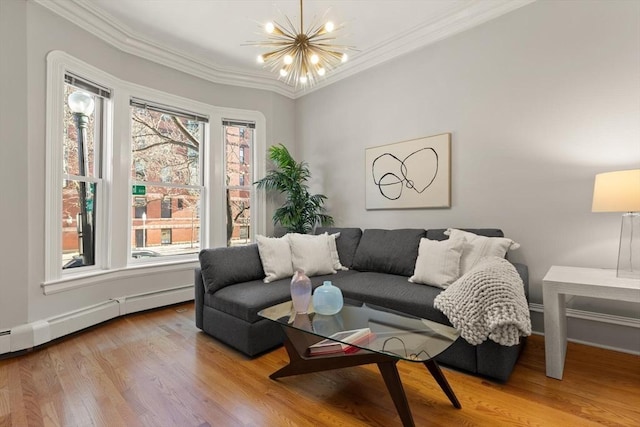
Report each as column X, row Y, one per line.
column 346, row 244
column 226, row 266
column 388, row 251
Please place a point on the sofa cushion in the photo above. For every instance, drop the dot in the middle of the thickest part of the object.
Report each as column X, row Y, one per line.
column 388, row 251
column 346, row 244
column 394, row 292
column 224, row 266
column 333, row 248
column 245, row 300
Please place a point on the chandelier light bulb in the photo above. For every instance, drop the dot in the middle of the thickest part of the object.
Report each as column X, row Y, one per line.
column 260, row 59
column 303, row 79
column 288, row 59
column 329, row 27
column 314, row 59
column 321, row 71
column 283, row 72
column 345, row 57
column 269, row 27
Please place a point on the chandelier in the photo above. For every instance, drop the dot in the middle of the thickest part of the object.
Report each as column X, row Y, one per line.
column 301, row 57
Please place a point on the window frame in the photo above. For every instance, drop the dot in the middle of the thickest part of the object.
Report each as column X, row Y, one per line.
column 95, row 178
column 114, row 213
column 242, row 125
column 60, row 65
column 140, row 97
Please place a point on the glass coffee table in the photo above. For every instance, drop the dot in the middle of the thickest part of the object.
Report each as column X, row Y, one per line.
column 394, row 336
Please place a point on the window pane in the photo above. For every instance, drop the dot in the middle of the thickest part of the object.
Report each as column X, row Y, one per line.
column 165, row 209
column 154, row 233
column 165, row 148
column 238, row 143
column 165, row 236
column 81, row 138
column 78, row 225
column 238, row 216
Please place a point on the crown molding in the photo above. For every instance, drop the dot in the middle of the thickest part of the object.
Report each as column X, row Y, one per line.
column 454, row 22
column 102, row 25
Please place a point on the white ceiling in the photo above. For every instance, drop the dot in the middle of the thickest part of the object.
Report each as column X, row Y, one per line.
column 212, row 34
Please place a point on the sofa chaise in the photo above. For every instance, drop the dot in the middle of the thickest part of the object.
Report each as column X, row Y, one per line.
column 229, row 293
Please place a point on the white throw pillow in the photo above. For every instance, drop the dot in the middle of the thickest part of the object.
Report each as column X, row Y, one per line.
column 438, row 262
column 311, row 253
column 477, row 247
column 335, row 258
column 275, row 255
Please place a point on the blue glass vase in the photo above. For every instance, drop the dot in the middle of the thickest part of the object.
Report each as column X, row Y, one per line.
column 327, row 299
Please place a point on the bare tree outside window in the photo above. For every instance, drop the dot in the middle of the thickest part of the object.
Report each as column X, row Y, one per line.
column 169, row 146
column 238, row 142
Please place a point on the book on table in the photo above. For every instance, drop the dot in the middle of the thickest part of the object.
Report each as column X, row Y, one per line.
column 348, row 340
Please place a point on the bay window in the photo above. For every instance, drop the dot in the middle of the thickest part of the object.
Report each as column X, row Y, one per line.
column 139, row 178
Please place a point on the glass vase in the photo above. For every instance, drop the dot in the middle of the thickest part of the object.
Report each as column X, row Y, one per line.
column 300, row 292
column 327, row 299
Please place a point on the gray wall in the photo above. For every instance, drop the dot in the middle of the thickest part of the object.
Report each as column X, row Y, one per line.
column 13, row 163
column 28, row 32
column 538, row 101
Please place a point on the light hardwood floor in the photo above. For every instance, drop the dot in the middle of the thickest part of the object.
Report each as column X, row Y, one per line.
column 157, row 369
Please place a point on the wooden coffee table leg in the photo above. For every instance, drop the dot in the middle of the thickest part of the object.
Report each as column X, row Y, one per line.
column 296, row 343
column 436, row 372
column 391, row 378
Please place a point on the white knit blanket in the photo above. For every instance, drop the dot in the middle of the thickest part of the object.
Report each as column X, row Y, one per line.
column 487, row 302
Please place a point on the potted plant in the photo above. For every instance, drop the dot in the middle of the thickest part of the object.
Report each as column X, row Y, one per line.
column 301, row 211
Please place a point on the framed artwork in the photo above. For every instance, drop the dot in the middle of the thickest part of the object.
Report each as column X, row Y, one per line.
column 409, row 174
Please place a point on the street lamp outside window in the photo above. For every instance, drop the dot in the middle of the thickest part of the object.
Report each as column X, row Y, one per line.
column 82, row 105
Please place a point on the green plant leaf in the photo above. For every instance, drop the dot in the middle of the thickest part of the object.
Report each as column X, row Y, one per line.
column 301, row 211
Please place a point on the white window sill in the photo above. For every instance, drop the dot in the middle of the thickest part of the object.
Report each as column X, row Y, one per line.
column 96, row 277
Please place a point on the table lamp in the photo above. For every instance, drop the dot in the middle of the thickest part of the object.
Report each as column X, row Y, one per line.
column 620, row 192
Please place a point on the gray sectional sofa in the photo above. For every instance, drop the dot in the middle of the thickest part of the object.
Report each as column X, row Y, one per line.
column 229, row 293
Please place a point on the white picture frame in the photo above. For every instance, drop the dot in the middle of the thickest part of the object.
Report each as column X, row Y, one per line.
column 409, row 174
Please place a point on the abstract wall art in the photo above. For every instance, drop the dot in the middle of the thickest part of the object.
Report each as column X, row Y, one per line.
column 409, row 174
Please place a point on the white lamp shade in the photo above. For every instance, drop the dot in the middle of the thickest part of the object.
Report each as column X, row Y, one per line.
column 617, row 191
column 81, row 102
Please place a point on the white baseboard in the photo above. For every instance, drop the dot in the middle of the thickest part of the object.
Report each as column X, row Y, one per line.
column 141, row 302
column 620, row 330
column 40, row 332
column 595, row 317
column 5, row 342
column 77, row 320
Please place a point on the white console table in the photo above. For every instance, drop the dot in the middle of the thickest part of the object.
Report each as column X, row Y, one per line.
column 588, row 282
